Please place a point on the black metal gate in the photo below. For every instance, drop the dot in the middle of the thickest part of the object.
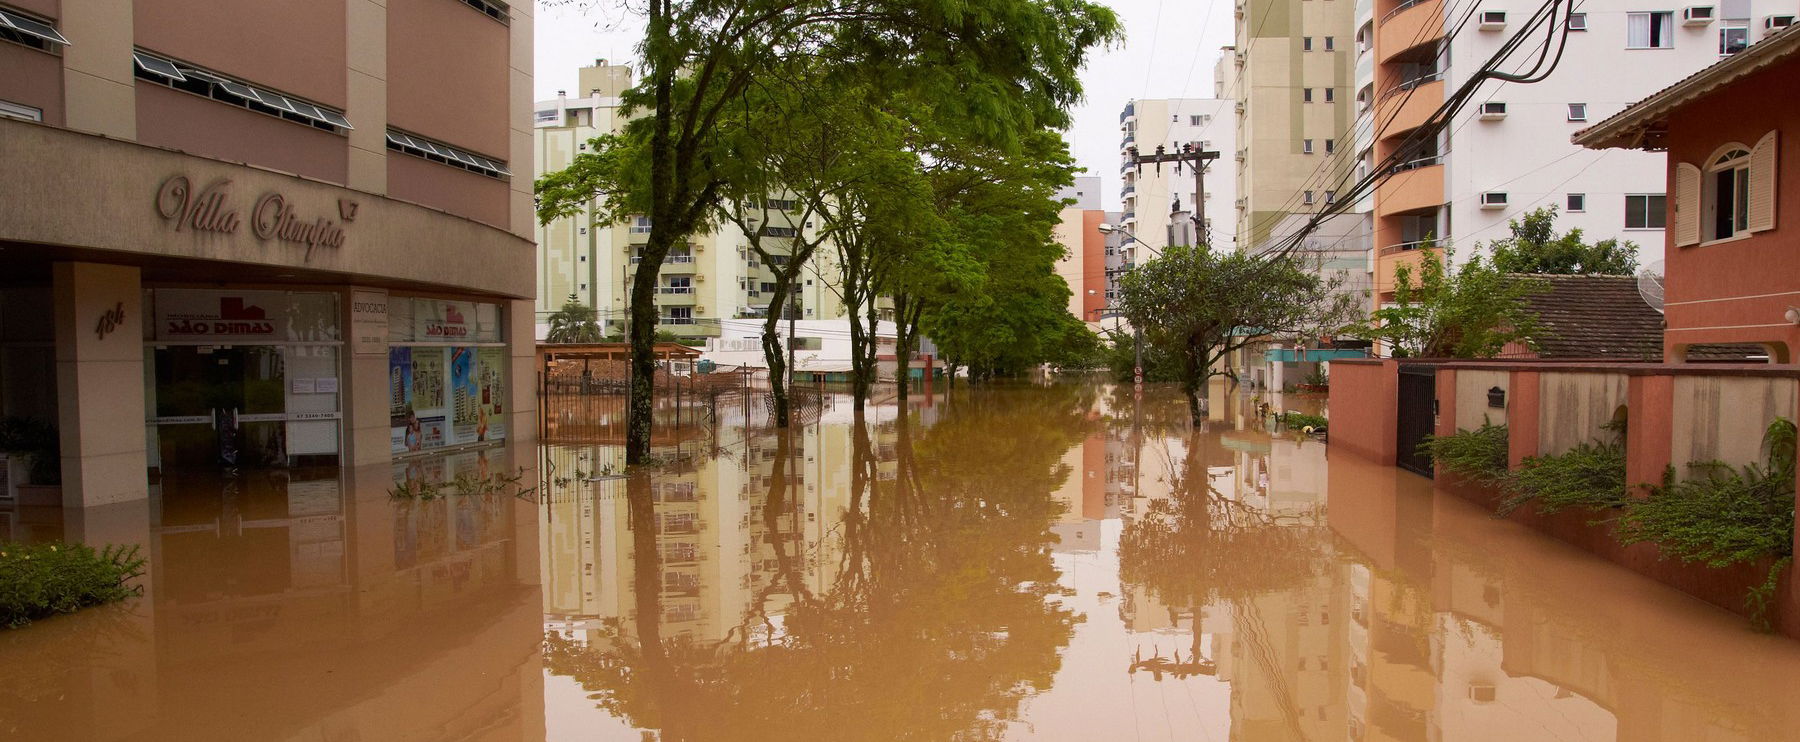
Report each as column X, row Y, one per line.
column 1418, row 416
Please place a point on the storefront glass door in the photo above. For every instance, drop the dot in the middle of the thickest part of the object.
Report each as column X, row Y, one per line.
column 220, row 406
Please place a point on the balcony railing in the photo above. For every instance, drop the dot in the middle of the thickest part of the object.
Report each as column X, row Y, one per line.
column 1410, row 84
column 674, row 289
column 1401, row 8
column 1127, row 190
column 677, row 320
column 1418, row 163
column 679, row 259
column 1413, row 245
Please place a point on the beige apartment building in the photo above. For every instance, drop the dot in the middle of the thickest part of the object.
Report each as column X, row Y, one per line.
column 1291, row 74
column 715, row 285
column 275, row 233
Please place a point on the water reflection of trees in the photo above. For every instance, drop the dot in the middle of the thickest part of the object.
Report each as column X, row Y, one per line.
column 939, row 619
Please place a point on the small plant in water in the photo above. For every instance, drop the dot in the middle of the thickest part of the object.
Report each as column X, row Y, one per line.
column 1479, row 454
column 465, row 485
column 42, row 580
column 1301, row 421
column 1590, row 476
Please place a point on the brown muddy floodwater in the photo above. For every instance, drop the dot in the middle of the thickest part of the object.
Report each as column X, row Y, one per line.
column 1046, row 563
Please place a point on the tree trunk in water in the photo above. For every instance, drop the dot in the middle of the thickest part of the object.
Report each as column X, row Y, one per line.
column 640, row 403
column 1191, row 380
column 902, row 350
column 772, row 353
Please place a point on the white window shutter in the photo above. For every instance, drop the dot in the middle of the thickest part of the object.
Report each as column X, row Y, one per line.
column 1687, row 205
column 1762, row 184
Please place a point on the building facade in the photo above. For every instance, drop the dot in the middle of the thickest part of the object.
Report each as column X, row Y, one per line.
column 1089, row 254
column 1733, row 273
column 277, row 233
column 1289, row 75
column 715, row 279
column 1153, row 195
column 1507, row 152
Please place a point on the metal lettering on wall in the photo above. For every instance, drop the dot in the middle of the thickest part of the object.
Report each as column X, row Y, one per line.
column 109, row 321
column 273, row 217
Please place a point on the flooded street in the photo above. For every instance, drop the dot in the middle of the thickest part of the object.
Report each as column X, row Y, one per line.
column 1020, row 563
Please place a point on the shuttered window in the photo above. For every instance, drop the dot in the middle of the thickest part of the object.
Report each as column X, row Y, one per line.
column 1761, row 196
column 1687, row 204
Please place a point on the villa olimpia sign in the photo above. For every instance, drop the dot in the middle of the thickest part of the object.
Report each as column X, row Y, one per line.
column 272, row 217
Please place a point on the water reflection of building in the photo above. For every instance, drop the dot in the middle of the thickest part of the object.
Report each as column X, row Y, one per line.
column 738, row 533
column 298, row 604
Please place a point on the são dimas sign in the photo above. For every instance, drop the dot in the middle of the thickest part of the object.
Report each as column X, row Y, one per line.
column 273, row 217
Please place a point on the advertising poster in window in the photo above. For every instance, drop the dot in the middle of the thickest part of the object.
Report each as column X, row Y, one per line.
column 245, row 316
column 416, row 399
column 465, row 396
column 491, row 363
column 402, row 422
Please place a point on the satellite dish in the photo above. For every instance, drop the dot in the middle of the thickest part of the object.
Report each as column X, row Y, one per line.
column 1650, row 285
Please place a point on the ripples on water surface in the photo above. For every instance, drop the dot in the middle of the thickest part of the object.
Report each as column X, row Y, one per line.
column 1024, row 563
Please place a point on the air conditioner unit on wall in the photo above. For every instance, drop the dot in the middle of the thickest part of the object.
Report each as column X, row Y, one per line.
column 1493, row 20
column 1493, row 200
column 1698, row 15
column 1493, row 110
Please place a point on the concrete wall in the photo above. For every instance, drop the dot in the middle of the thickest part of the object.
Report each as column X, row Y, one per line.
column 1362, row 404
column 388, row 242
column 1472, row 398
column 1573, row 406
column 1723, row 418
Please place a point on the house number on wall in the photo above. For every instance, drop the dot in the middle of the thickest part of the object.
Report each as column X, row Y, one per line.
column 109, row 321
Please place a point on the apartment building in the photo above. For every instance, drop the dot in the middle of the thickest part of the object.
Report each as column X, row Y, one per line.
column 1508, row 152
column 240, row 222
column 1158, row 199
column 1289, row 75
column 712, row 281
column 1091, row 259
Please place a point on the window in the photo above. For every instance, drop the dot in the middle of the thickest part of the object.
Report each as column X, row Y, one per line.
column 768, row 286
column 1306, row 43
column 207, row 84
column 548, row 117
column 23, row 29
column 640, row 224
column 1577, row 21
column 1306, row 146
column 490, row 8
column 1577, row 111
column 1577, row 202
column 1645, row 211
column 1653, row 30
column 1330, row 43
column 782, row 204
column 446, row 155
column 1330, row 95
column 1331, row 197
column 1306, row 94
column 1727, row 205
column 1309, row 197
column 1330, row 146
column 1197, row 120
column 779, row 231
column 1734, row 37
column 17, row 111
column 680, row 316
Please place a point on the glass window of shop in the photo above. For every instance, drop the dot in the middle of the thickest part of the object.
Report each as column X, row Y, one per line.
column 446, row 374
column 241, row 378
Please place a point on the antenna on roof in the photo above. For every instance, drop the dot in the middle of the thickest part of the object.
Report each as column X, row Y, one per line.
column 1650, row 285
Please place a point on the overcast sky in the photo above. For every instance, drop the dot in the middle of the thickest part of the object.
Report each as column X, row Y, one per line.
column 1169, row 51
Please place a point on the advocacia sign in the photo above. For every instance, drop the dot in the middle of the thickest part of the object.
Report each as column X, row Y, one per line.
column 272, row 217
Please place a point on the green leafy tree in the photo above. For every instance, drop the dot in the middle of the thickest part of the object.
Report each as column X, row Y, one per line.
column 1199, row 306
column 1003, row 66
column 575, row 322
column 1473, row 311
column 1535, row 247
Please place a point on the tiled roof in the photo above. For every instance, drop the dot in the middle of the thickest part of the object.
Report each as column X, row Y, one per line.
column 1595, row 317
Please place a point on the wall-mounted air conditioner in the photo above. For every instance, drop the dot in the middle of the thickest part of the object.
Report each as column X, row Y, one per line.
column 1493, row 110
column 1777, row 22
column 1493, row 20
column 1698, row 15
column 1493, row 200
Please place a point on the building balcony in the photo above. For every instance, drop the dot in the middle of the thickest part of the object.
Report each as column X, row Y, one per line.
column 1414, row 187
column 637, row 235
column 675, row 295
column 1410, row 24
column 1409, row 105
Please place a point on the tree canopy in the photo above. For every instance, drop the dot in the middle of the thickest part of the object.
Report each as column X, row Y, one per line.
column 1473, row 311
column 1534, row 247
column 575, row 322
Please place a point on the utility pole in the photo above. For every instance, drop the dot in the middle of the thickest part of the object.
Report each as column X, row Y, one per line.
column 793, row 309
column 1191, row 154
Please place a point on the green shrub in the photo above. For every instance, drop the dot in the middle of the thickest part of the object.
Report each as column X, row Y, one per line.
column 1300, row 420
column 42, row 580
column 1478, row 454
column 1726, row 516
column 1590, row 476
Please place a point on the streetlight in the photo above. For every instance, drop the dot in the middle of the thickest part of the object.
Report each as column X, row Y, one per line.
column 1137, row 333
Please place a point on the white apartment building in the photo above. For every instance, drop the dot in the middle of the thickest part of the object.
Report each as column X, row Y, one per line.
column 1151, row 193
column 1508, row 152
column 716, row 277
